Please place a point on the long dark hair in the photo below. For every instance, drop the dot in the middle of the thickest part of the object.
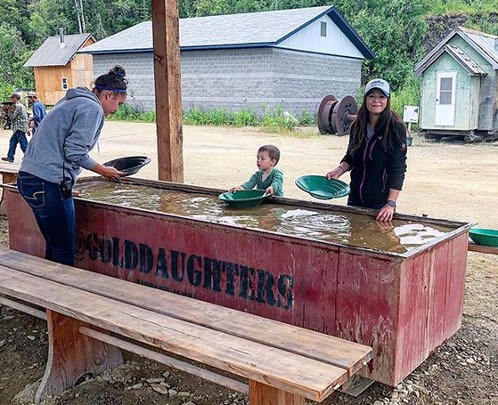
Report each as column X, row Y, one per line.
column 386, row 124
column 113, row 81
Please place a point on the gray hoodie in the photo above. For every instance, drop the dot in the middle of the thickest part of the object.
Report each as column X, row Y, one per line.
column 64, row 138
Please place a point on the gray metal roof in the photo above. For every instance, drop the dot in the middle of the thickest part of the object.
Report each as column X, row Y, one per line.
column 485, row 44
column 50, row 53
column 465, row 60
column 229, row 31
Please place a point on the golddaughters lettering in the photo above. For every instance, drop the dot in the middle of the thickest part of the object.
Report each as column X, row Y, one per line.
column 171, row 266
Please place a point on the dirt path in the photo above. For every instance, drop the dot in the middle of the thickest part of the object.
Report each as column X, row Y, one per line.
column 444, row 180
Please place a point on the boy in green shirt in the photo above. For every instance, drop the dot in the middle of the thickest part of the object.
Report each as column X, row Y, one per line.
column 267, row 177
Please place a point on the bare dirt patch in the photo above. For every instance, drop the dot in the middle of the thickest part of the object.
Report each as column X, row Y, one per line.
column 447, row 180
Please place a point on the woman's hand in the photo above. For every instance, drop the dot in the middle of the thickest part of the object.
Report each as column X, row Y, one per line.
column 236, row 188
column 338, row 171
column 385, row 214
column 270, row 190
column 384, row 227
column 108, row 172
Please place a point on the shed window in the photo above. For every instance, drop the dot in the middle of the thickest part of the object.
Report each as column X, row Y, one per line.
column 445, row 90
column 64, row 83
column 323, row 29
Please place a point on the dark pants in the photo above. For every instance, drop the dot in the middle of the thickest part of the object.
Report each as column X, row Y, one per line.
column 17, row 137
column 54, row 214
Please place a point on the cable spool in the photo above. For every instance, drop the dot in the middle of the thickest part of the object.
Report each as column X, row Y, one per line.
column 336, row 116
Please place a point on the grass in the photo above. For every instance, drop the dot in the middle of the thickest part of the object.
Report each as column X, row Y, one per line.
column 272, row 120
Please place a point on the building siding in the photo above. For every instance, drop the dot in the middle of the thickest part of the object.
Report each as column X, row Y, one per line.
column 310, row 39
column 488, row 88
column 243, row 78
column 445, row 63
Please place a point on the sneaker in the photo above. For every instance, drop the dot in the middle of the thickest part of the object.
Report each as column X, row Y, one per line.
column 8, row 160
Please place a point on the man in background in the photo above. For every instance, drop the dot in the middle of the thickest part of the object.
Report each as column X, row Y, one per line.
column 39, row 110
column 19, row 127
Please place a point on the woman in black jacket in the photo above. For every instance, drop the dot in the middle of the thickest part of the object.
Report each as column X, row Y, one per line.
column 376, row 154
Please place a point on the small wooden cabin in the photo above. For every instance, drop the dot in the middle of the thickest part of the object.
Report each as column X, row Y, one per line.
column 460, row 86
column 57, row 66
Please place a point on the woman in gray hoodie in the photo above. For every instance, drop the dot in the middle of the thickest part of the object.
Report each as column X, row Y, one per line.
column 59, row 152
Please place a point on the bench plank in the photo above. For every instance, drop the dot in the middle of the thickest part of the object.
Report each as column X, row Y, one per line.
column 9, row 167
column 473, row 247
column 283, row 370
column 9, row 172
column 339, row 352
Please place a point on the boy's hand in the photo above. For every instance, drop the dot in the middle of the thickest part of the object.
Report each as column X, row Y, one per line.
column 270, row 191
column 236, row 188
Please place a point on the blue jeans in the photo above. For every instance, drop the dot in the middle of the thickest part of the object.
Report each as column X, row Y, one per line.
column 54, row 214
column 17, row 137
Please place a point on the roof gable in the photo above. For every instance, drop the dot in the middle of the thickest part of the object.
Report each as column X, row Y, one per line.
column 229, row 31
column 50, row 53
column 461, row 57
column 484, row 44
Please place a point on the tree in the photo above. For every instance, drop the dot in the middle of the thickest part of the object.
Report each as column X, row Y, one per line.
column 12, row 54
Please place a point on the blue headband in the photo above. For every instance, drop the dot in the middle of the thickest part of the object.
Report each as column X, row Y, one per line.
column 107, row 88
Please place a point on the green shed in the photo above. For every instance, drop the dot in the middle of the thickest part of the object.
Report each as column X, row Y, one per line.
column 460, row 86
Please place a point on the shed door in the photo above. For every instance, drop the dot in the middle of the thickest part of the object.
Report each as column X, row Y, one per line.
column 445, row 99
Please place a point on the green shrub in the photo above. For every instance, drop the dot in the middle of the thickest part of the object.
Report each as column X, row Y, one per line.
column 278, row 120
column 195, row 116
column 272, row 120
column 128, row 112
column 408, row 94
column 246, row 118
column 306, row 119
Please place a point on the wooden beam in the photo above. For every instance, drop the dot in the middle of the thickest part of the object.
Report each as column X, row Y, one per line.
column 23, row 308
column 262, row 394
column 167, row 77
column 169, row 361
column 72, row 355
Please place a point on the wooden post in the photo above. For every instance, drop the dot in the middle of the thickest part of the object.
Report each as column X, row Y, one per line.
column 262, row 394
column 166, row 44
column 71, row 355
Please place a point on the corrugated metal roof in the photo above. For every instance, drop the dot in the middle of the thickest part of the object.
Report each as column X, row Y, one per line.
column 485, row 44
column 465, row 60
column 50, row 53
column 229, row 31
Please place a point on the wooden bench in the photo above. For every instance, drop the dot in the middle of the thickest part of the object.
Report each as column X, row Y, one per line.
column 9, row 172
column 283, row 363
column 473, row 247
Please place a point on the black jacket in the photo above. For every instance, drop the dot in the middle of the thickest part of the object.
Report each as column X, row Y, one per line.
column 375, row 170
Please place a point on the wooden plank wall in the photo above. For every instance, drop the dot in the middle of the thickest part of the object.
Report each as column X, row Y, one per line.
column 48, row 79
